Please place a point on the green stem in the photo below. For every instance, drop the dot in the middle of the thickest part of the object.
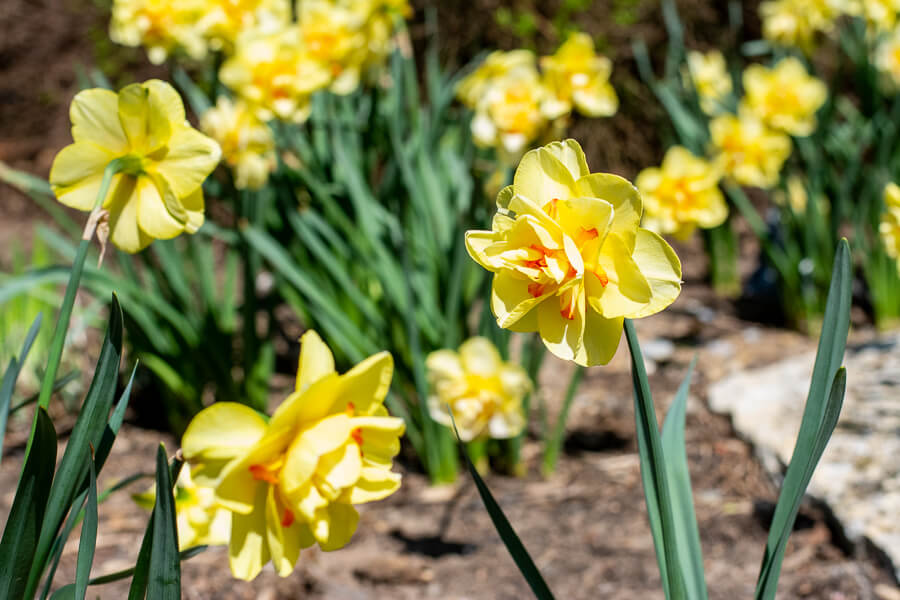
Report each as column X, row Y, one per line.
column 722, row 249
column 553, row 444
column 65, row 312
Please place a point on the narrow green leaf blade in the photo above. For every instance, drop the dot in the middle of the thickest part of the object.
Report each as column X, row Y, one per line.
column 11, row 376
column 687, row 536
column 23, row 526
column 88, row 540
column 165, row 567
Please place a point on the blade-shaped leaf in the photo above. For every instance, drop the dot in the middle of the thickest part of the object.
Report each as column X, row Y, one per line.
column 88, row 540
column 23, row 526
column 687, row 537
column 87, row 433
column 822, row 405
column 12, row 374
column 165, row 567
column 653, row 474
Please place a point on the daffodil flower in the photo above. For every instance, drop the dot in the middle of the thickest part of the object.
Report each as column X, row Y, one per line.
column 889, row 227
column 577, row 75
column 292, row 482
column 569, row 257
column 785, row 97
column 682, row 194
column 161, row 26
column 710, row 78
column 496, row 66
column 748, row 150
column 483, row 392
column 887, row 59
column 200, row 519
column 248, row 146
column 334, row 36
column 157, row 193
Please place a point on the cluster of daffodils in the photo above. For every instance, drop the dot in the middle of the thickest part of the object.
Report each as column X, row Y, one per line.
column 159, row 163
column 889, row 227
column 292, row 480
column 273, row 64
column 516, row 104
column 483, row 393
column 569, row 257
column 748, row 147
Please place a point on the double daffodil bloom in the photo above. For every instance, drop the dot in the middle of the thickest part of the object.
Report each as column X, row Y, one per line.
column 380, row 26
column 710, row 78
column 569, row 258
column 682, row 194
column 275, row 73
column 795, row 23
column 292, row 482
column 201, row 521
column 248, row 146
column 577, row 75
column 224, row 21
column 334, row 36
column 889, row 227
column 785, row 97
column 748, row 150
column 161, row 26
column 484, row 393
column 157, row 193
column 496, row 66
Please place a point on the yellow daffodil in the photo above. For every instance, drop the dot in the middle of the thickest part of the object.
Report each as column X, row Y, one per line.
column 157, row 194
column 785, row 97
column 887, row 58
column 201, row 521
column 484, row 393
column 682, row 194
column 880, row 15
column 334, row 36
column 795, row 197
column 275, row 73
column 748, row 150
column 496, row 66
column 380, row 26
column 508, row 117
column 248, row 146
column 796, row 22
column 710, row 78
column 161, row 26
column 889, row 228
column 292, row 482
column 577, row 75
column 569, row 258
column 224, row 21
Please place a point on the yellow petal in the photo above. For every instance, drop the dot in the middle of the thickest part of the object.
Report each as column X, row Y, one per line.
column 223, row 430
column 248, row 549
column 123, row 226
column 623, row 196
column 316, row 360
column 598, row 100
column 94, row 115
column 374, row 484
column 335, row 526
column 153, row 217
column 570, row 154
column 477, row 244
column 145, row 124
column 659, row 264
column 627, row 290
column 562, row 336
column 542, row 177
column 284, row 542
column 444, row 365
column 193, row 206
column 479, row 357
column 364, row 387
column 192, row 156
column 309, row 405
column 601, row 339
column 311, row 443
column 578, row 216
column 511, row 300
column 78, row 164
column 165, row 102
column 505, row 195
column 341, row 468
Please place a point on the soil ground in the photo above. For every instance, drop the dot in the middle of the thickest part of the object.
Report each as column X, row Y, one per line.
column 586, row 526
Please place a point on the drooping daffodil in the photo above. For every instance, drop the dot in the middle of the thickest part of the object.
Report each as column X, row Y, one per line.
column 291, row 482
column 682, row 194
column 577, row 76
column 163, row 161
column 785, row 96
column 569, row 257
column 483, row 392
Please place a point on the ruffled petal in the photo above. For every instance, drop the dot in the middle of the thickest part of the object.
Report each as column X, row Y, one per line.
column 153, row 217
column 542, row 177
column 316, row 360
column 94, row 116
column 223, row 430
column 248, row 550
column 191, row 157
column 623, row 196
column 662, row 269
column 601, row 339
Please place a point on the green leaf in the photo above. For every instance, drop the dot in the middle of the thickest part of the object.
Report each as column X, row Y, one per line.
column 653, row 474
column 820, row 415
column 165, row 567
column 88, row 540
column 23, row 526
column 11, row 375
column 87, row 433
column 687, row 538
